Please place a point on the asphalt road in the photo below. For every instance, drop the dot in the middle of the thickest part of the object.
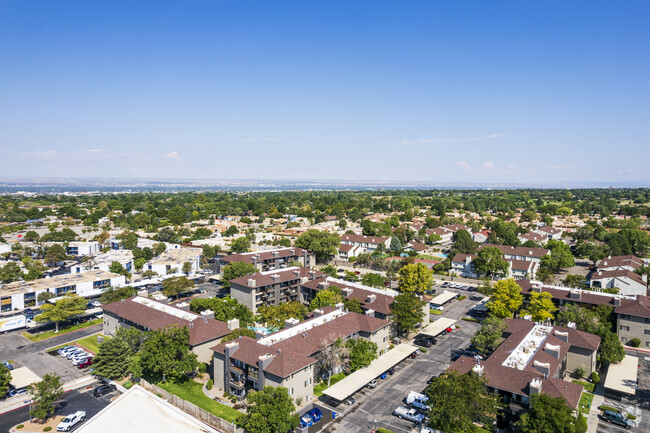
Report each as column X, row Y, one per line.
column 15, row 347
column 81, row 399
column 411, row 375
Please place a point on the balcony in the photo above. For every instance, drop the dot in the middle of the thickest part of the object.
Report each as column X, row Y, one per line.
column 236, row 384
column 236, row 368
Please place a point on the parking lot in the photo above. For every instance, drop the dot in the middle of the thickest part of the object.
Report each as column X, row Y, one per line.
column 374, row 407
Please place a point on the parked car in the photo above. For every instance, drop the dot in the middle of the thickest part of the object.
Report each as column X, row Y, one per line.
column 69, row 349
column 71, row 420
column 64, row 349
column 78, row 356
column 306, row 420
column 85, row 363
column 349, row 401
column 410, row 414
column 96, row 303
column 71, row 354
column 391, row 371
column 417, row 400
column 383, row 375
column 19, row 391
column 316, row 414
column 422, row 342
column 82, row 360
column 372, row 383
column 8, row 365
column 617, row 418
column 103, row 389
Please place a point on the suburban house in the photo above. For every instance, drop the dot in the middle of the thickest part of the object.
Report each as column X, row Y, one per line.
column 417, row 247
column 288, row 358
column 172, row 260
column 462, row 266
column 481, row 237
column 533, row 359
column 534, row 237
column 617, row 263
column 367, row 244
column 549, row 232
column 23, row 294
column 444, row 233
column 627, row 282
column 347, row 251
column 374, row 302
column 272, row 259
column 103, row 261
column 271, row 287
column 632, row 312
column 519, row 253
column 146, row 314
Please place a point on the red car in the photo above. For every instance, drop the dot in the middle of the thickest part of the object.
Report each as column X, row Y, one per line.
column 87, row 363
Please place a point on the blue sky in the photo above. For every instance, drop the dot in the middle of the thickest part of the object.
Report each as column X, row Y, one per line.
column 455, row 91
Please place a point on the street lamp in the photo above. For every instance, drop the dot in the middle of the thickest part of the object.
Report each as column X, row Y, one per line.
column 375, row 425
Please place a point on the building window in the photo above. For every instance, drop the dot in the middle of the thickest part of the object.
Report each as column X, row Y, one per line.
column 647, row 332
column 625, row 328
column 625, row 316
column 624, row 340
column 647, row 344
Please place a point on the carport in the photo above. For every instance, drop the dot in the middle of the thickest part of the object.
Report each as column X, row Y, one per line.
column 443, row 298
column 435, row 328
column 621, row 378
column 360, row 378
column 22, row 377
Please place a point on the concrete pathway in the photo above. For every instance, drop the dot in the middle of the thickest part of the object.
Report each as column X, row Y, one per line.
column 599, row 397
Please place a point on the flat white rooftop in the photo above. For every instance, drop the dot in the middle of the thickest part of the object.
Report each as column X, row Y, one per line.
column 443, row 298
column 388, row 292
column 300, row 328
column 622, row 377
column 22, row 377
column 523, row 353
column 138, row 410
column 438, row 326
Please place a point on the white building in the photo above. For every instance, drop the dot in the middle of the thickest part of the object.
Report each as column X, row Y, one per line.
column 83, row 248
column 628, row 282
column 172, row 261
column 367, row 244
column 24, row 294
column 103, row 262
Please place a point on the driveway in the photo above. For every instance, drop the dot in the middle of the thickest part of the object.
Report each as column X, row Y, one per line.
column 15, row 347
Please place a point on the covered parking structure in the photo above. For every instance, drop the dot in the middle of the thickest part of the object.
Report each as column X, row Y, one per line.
column 360, row 378
column 620, row 382
column 23, row 377
column 443, row 298
column 435, row 328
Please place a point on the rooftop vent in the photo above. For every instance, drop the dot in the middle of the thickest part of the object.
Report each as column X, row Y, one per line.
column 564, row 336
column 251, row 282
column 535, row 386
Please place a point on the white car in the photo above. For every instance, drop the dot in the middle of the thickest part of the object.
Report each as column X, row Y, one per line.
column 410, row 414
column 417, row 400
column 71, row 420
column 79, row 356
column 76, row 354
column 81, row 360
column 96, row 304
column 73, row 350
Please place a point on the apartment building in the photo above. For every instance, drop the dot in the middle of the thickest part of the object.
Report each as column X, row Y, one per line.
column 620, row 263
column 534, row 237
column 549, row 232
column 271, row 287
column 534, row 358
column 272, row 259
column 368, row 244
column 172, row 261
column 83, row 248
column 519, row 253
column 627, row 282
column 104, row 261
column 462, row 265
column 23, row 294
column 146, row 315
column 288, row 358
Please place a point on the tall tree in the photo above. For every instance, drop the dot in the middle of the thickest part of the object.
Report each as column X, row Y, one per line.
column 274, row 316
column 326, row 298
column 373, row 280
column 5, row 379
column 236, row 270
column 112, row 361
column 506, row 298
column 541, row 307
column 323, row 244
column 187, row 268
column 332, row 355
column 10, row 272
column 487, row 338
column 395, row 244
column 46, row 396
column 240, row 245
column 270, row 410
column 407, row 310
column 65, row 308
column 166, row 352
column 173, row 287
column 224, row 309
column 361, row 352
column 549, row 415
column 489, row 261
column 464, row 243
column 611, row 349
column 459, row 401
column 415, row 277
column 117, row 294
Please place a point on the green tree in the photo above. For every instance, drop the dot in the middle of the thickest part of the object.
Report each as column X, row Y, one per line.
column 65, row 308
column 415, row 277
column 395, row 244
column 31, row 236
column 351, row 277
column 407, row 310
column 46, row 396
column 459, row 401
column 239, row 332
column 133, row 337
column 464, row 243
column 113, row 359
column 10, row 272
column 489, row 261
column 323, row 244
column 172, row 287
column 329, row 270
column 373, row 280
column 166, row 352
column 611, row 349
column 139, row 263
column 548, row 415
column 187, row 268
column 270, row 410
column 209, row 252
column 5, row 379
column 487, row 338
column 506, row 299
column 541, row 307
column 166, row 234
column 236, row 270
column 326, row 298
column 231, row 231
column 44, row 296
column 117, row 268
column 353, row 305
column 575, row 281
column 178, row 215
column 240, row 245
column 361, row 352
column 159, row 248
column 224, row 309
column 273, row 316
column 560, row 257
column 117, row 294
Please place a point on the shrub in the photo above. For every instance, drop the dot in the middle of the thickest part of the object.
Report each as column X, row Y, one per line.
column 580, row 372
column 470, row 319
column 209, row 385
column 630, row 416
column 423, row 350
column 128, row 384
column 383, row 430
column 391, row 347
column 604, row 407
column 299, row 401
column 203, row 367
column 635, row 342
column 225, row 394
column 233, row 399
column 48, row 428
column 19, row 426
column 594, row 378
column 460, row 298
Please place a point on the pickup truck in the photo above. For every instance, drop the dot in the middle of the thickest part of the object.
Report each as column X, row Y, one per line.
column 417, row 400
column 410, row 414
column 71, row 420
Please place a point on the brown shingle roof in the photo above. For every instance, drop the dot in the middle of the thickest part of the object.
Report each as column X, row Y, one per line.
column 518, row 251
column 266, row 278
column 265, row 255
column 618, row 273
column 619, row 261
column 374, row 240
column 381, row 303
column 150, row 318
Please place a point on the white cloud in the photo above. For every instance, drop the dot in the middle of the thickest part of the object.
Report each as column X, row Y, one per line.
column 173, row 155
column 446, row 141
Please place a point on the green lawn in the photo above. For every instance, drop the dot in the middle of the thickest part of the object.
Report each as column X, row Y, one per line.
column 585, row 402
column 90, row 343
column 318, row 389
column 193, row 392
column 435, row 312
column 49, row 334
column 587, row 385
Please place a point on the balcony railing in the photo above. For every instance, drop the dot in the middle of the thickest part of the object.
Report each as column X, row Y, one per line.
column 236, row 384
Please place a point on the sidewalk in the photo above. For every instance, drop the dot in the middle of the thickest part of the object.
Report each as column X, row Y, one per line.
column 17, row 402
column 599, row 397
